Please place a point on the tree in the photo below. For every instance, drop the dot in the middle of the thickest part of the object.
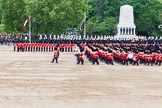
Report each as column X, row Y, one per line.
column 146, row 12
column 55, row 16
column 106, row 27
column 47, row 16
column 0, row 12
column 147, row 16
column 13, row 14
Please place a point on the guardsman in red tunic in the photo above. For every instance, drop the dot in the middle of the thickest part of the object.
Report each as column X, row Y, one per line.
column 26, row 46
column 15, row 46
column 120, row 58
column 66, row 47
column 39, row 47
column 22, row 47
column 149, row 59
column 109, row 58
column 80, row 58
column 49, row 47
column 18, row 47
column 31, row 46
column 136, row 59
column 125, row 58
column 70, row 47
column 55, row 55
column 62, row 47
column 95, row 58
column 141, row 58
column 159, row 59
column 153, row 58
column 145, row 58
column 36, row 45
column 46, row 47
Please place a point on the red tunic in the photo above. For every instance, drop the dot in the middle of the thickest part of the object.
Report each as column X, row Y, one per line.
column 80, row 56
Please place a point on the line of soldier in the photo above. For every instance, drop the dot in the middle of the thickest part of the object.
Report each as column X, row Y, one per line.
column 92, row 54
column 147, row 54
column 34, row 47
column 124, row 54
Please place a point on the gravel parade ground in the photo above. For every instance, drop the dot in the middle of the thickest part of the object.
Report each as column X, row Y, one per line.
column 30, row 80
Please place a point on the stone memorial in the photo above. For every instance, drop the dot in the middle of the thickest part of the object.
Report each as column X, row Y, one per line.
column 126, row 26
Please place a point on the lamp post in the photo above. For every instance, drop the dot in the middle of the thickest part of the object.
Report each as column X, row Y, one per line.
column 29, row 13
column 85, row 17
column 85, row 25
column 29, row 29
column 160, row 26
column 37, row 28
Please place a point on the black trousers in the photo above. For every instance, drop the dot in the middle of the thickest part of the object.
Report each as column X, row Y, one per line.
column 95, row 61
column 82, row 61
column 54, row 60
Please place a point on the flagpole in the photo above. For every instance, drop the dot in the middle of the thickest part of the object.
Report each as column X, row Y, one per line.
column 85, row 25
column 85, row 22
column 29, row 29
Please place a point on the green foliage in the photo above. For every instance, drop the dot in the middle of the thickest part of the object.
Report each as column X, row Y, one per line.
column 53, row 16
column 47, row 16
column 2, row 28
column 106, row 27
column 146, row 12
column 0, row 12
column 13, row 14
column 147, row 17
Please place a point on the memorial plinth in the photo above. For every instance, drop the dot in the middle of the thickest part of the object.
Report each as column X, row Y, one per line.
column 126, row 26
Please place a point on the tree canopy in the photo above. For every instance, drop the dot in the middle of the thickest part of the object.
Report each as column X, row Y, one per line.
column 12, row 14
column 47, row 16
column 104, row 15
